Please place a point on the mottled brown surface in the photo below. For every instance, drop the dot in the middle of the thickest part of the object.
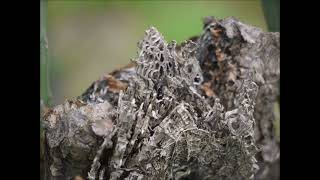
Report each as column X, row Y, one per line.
column 197, row 111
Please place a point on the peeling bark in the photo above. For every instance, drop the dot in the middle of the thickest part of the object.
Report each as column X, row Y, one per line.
column 199, row 110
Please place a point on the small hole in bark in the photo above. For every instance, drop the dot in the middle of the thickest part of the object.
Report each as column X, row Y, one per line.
column 224, row 145
column 160, row 93
column 161, row 71
column 196, row 79
column 230, row 83
column 248, row 139
column 161, row 58
column 235, row 125
column 155, row 75
column 189, row 69
column 161, row 47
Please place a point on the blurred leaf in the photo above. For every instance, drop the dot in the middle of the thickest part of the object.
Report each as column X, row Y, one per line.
column 272, row 14
column 44, row 83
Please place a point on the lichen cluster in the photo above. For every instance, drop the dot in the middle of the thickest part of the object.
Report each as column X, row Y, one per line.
column 172, row 128
column 189, row 111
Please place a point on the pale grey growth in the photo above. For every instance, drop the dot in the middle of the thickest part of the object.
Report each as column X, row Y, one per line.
column 173, row 115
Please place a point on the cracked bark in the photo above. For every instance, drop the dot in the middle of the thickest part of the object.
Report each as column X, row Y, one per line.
column 199, row 110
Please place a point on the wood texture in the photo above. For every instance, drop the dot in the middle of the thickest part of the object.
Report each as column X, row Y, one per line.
column 199, row 110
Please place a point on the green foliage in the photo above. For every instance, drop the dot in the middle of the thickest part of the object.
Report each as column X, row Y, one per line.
column 272, row 14
column 178, row 20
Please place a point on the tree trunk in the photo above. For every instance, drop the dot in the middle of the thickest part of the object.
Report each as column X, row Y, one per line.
column 199, row 110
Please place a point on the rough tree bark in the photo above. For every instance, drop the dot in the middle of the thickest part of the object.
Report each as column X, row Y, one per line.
column 199, row 110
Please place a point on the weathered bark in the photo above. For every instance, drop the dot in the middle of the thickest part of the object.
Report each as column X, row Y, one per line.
column 201, row 110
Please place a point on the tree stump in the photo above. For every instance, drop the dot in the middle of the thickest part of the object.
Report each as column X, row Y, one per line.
column 199, row 110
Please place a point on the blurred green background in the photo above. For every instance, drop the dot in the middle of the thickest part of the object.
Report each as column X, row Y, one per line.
column 89, row 38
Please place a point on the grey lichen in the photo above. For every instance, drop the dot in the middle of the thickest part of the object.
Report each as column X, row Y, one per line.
column 180, row 112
